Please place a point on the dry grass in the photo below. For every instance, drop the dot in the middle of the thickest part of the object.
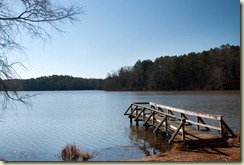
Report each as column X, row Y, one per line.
column 178, row 146
column 235, row 141
column 72, row 153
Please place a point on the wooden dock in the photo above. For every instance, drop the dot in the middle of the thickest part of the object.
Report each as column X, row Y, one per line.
column 178, row 124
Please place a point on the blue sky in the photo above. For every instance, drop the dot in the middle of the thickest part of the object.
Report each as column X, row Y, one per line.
column 116, row 33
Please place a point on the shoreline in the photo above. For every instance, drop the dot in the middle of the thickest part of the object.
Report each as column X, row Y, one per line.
column 231, row 153
column 178, row 153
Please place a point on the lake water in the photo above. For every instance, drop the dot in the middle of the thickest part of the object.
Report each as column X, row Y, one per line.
column 95, row 122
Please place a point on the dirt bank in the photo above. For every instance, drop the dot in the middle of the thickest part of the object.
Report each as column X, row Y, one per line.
column 222, row 154
column 202, row 154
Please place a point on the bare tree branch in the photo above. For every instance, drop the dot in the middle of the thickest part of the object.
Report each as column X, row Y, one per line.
column 31, row 17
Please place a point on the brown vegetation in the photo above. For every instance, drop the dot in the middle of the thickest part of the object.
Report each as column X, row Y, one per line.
column 234, row 141
column 72, row 153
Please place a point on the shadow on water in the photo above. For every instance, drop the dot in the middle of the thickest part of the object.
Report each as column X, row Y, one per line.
column 143, row 143
column 146, row 141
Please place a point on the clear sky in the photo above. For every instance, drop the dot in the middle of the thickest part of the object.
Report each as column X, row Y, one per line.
column 117, row 33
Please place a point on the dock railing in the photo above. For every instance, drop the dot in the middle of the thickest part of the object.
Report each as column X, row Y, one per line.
column 147, row 112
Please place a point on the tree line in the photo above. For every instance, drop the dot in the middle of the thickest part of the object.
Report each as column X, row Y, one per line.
column 215, row 69
column 55, row 82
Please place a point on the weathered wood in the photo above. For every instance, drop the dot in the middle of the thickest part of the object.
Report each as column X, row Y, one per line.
column 133, row 110
column 184, row 116
column 139, row 114
column 128, row 110
column 160, row 109
column 202, row 121
column 204, row 125
column 178, row 118
column 228, row 128
column 176, row 132
column 170, row 112
column 170, row 115
column 221, row 127
column 148, row 119
column 186, row 112
column 152, row 114
column 197, row 125
column 139, row 102
column 153, row 119
column 159, row 125
column 183, row 129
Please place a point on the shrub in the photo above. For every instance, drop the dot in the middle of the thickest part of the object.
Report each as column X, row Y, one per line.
column 72, row 153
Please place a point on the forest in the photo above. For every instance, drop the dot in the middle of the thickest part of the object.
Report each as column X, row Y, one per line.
column 55, row 82
column 215, row 69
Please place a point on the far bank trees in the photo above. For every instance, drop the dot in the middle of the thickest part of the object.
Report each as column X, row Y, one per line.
column 215, row 69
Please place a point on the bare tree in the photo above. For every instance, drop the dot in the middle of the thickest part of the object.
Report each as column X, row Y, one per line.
column 32, row 18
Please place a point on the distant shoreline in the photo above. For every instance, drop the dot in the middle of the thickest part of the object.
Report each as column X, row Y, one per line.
column 163, row 91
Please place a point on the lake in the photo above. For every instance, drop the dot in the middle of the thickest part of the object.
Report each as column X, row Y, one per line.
column 95, row 122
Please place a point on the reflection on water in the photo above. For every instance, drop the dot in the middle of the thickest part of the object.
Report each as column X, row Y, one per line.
column 147, row 141
column 94, row 121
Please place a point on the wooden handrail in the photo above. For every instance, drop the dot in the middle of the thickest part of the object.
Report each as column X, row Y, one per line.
column 204, row 125
column 146, row 110
column 186, row 112
column 209, row 116
column 160, row 112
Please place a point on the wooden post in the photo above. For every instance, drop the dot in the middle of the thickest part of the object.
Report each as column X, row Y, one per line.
column 166, row 124
column 176, row 132
column 137, row 122
column 233, row 135
column 145, row 122
column 136, row 111
column 159, row 125
column 143, row 115
column 221, row 126
column 153, row 118
column 197, row 120
column 183, row 129
column 146, row 127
